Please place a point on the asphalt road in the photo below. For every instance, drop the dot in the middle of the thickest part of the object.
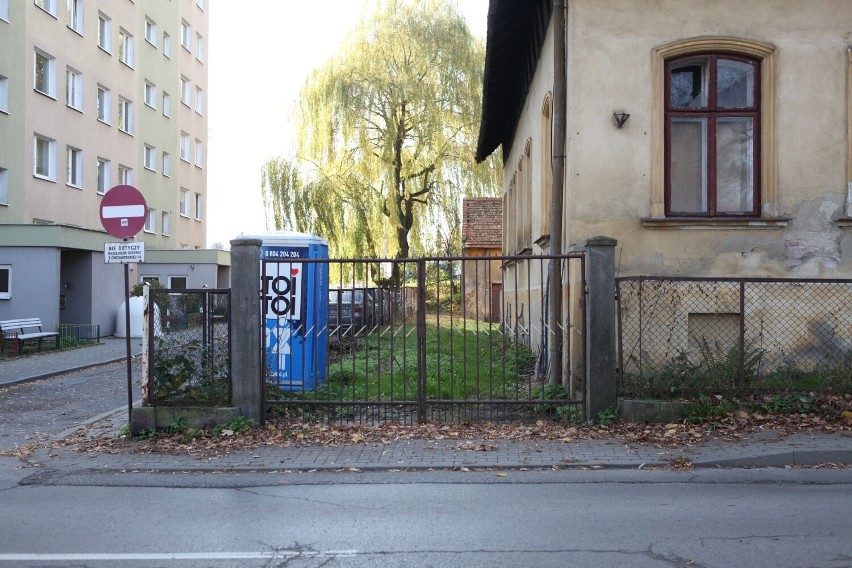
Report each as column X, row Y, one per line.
column 772, row 518
column 31, row 412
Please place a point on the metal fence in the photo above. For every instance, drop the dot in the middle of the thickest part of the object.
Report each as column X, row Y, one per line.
column 189, row 350
column 73, row 334
column 447, row 339
column 680, row 335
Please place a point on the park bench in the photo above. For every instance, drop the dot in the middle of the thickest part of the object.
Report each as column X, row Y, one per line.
column 15, row 332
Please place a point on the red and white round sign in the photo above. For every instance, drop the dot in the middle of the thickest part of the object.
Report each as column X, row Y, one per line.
column 123, row 211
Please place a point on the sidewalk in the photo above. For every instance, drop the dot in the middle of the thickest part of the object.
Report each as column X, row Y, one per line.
column 16, row 370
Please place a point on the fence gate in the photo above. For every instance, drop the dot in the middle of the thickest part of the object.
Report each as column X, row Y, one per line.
column 448, row 339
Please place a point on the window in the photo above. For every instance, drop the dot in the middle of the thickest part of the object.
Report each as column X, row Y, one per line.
column 150, row 157
column 75, row 15
column 5, row 282
column 44, row 158
column 125, row 115
column 74, row 89
column 198, row 207
column 48, row 6
column 185, row 39
column 4, row 93
column 105, row 33
column 712, row 136
column 199, row 152
column 165, row 225
column 185, row 90
column 151, row 221
column 4, row 186
column 177, row 282
column 104, row 104
column 74, row 165
column 151, row 94
column 4, row 10
column 200, row 3
column 125, row 175
column 151, row 32
column 184, row 146
column 167, row 104
column 103, row 175
column 167, row 45
column 199, row 47
column 184, row 203
column 713, row 141
column 125, row 47
column 199, row 101
column 167, row 164
column 546, row 168
column 45, row 74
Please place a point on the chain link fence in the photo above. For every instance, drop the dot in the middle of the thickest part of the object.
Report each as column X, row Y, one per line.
column 687, row 335
column 189, row 355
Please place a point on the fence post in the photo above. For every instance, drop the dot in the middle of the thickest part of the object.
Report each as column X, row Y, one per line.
column 246, row 381
column 421, row 341
column 601, row 390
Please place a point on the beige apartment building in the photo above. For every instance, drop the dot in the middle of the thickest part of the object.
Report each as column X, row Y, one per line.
column 93, row 94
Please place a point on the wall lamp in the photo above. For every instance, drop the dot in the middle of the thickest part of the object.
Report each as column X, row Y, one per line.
column 620, row 118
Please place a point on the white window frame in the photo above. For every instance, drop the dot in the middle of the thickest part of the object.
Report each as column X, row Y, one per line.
column 184, row 146
column 50, row 73
column 199, row 47
column 4, row 10
column 151, row 94
column 186, row 35
column 199, row 207
column 149, row 157
column 50, row 174
column 105, row 32
column 76, row 10
column 104, row 105
column 199, row 100
column 167, row 105
column 6, row 294
column 4, row 184
column 167, row 164
column 150, row 221
column 125, row 175
column 165, row 226
column 200, row 4
column 74, row 89
column 125, row 115
column 199, row 153
column 48, row 6
column 74, row 167
column 167, row 45
column 184, row 203
column 125, row 47
column 151, row 31
column 104, row 176
column 185, row 91
column 4, row 93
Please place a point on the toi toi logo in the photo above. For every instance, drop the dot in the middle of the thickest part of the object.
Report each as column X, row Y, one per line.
column 282, row 294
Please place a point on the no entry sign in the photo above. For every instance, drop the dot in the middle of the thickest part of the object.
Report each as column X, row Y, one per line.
column 123, row 211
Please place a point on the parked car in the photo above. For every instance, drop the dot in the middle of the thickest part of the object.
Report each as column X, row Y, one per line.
column 350, row 309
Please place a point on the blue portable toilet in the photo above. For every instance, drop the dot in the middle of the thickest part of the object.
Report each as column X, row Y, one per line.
column 295, row 308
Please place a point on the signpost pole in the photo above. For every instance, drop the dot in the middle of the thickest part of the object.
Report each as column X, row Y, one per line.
column 127, row 338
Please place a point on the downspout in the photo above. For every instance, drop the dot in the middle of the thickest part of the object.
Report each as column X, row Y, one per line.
column 557, row 161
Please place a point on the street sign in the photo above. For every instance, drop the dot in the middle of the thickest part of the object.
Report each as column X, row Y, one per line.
column 123, row 211
column 115, row 253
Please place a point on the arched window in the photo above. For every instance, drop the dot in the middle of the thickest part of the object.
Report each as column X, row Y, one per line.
column 546, row 166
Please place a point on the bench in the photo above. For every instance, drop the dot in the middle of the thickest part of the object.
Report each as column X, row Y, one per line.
column 16, row 332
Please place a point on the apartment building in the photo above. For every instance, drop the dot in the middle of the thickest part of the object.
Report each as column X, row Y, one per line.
column 96, row 93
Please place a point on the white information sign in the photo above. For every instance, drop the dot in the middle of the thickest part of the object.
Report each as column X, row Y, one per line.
column 122, row 253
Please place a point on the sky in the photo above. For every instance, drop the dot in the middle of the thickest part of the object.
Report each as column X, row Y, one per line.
column 259, row 59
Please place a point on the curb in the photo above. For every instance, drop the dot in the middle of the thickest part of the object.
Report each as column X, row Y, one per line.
column 51, row 374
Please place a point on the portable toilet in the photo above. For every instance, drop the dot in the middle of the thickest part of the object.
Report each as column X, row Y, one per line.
column 295, row 308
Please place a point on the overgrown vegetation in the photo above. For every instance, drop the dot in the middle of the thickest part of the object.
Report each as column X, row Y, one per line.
column 190, row 372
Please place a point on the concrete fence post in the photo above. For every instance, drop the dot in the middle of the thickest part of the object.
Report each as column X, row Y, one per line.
column 247, row 383
column 601, row 357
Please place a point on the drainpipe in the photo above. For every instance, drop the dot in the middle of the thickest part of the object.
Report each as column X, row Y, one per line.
column 557, row 161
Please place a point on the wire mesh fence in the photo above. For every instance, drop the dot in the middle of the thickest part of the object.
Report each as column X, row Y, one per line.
column 681, row 335
column 449, row 339
column 189, row 347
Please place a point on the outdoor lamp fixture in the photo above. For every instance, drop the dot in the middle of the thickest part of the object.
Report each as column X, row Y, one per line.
column 620, row 118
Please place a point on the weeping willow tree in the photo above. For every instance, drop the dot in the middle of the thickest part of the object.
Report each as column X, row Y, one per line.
column 386, row 136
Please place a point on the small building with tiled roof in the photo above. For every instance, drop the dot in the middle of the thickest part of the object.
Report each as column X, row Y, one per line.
column 482, row 235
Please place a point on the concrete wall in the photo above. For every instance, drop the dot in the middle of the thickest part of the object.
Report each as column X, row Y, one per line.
column 197, row 275
column 35, row 285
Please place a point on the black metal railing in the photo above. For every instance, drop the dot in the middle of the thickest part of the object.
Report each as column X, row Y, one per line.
column 448, row 339
column 682, row 335
column 189, row 353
